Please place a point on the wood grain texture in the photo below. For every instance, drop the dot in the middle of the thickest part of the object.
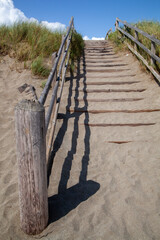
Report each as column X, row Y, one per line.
column 31, row 156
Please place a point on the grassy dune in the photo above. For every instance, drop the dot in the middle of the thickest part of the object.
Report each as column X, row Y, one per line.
column 150, row 27
column 33, row 43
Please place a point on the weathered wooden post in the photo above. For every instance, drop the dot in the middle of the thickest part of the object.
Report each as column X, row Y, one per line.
column 54, row 55
column 153, row 50
column 136, row 37
column 117, row 24
column 31, row 156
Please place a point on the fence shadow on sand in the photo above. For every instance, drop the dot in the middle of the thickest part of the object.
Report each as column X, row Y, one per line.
column 68, row 199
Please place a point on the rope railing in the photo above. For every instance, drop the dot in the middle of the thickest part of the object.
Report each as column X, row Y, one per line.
column 31, row 128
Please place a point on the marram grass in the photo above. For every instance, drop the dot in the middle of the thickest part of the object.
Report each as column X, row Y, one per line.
column 150, row 27
column 34, row 42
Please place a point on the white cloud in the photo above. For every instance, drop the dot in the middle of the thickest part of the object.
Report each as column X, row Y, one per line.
column 53, row 26
column 97, row 38
column 9, row 15
column 86, row 38
column 93, row 38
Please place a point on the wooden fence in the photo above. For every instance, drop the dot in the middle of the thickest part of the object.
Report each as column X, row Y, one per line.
column 31, row 124
column 151, row 52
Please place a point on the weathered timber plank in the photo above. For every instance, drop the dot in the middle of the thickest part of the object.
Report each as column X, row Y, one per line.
column 109, row 90
column 152, row 38
column 109, row 100
column 140, row 44
column 31, row 156
column 113, row 111
column 118, row 124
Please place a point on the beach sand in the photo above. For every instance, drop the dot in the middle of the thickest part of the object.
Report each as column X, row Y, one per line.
column 104, row 180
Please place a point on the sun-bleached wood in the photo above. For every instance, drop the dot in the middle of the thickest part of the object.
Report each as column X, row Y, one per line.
column 52, row 131
column 153, row 50
column 140, row 45
column 117, row 24
column 152, row 38
column 136, row 37
column 32, row 174
column 54, row 93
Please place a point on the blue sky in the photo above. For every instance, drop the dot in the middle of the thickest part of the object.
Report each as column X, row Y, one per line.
column 92, row 18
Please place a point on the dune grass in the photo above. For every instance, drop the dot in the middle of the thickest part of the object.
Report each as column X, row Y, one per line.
column 77, row 46
column 150, row 27
column 28, row 40
column 34, row 43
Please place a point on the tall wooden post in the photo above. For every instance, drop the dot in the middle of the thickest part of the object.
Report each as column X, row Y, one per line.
column 136, row 37
column 153, row 50
column 31, row 156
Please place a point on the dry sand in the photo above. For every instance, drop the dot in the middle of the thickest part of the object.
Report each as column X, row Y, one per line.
column 105, row 176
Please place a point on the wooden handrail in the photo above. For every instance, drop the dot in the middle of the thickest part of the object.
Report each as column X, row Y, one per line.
column 151, row 52
column 51, row 137
column 55, row 89
column 139, row 44
column 152, row 38
column 45, row 91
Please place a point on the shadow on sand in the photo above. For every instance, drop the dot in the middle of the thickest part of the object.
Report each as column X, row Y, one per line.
column 68, row 199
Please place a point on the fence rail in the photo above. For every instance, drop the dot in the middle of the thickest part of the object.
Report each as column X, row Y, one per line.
column 151, row 52
column 31, row 127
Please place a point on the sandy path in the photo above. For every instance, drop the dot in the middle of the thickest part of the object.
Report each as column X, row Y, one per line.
column 104, row 180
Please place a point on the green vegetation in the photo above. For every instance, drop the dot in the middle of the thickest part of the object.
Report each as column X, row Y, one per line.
column 38, row 68
column 117, row 40
column 29, row 42
column 43, row 84
column 150, row 27
column 77, row 47
column 32, row 43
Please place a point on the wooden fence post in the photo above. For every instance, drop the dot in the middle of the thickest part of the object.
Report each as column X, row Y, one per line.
column 117, row 24
column 54, row 55
column 31, row 156
column 153, row 50
column 136, row 37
